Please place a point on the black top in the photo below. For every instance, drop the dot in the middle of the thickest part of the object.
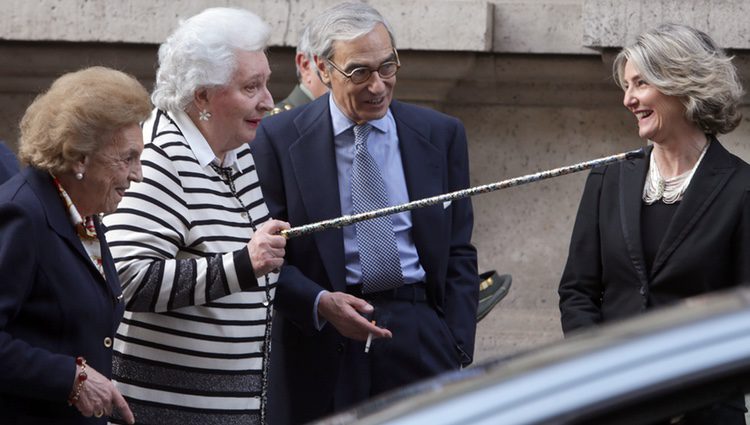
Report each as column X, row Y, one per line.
column 655, row 219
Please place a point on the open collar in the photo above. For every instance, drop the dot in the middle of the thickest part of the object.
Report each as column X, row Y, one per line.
column 199, row 145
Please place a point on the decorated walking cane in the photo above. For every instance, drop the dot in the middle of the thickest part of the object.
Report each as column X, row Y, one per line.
column 464, row 193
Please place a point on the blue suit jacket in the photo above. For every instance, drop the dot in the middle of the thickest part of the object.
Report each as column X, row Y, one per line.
column 295, row 158
column 54, row 304
column 8, row 163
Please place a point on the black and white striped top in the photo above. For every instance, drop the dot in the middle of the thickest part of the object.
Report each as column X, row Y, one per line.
column 192, row 347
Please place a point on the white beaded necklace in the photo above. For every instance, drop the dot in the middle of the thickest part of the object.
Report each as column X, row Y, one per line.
column 669, row 190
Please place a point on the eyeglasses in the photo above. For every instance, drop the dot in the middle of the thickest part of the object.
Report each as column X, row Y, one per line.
column 362, row 74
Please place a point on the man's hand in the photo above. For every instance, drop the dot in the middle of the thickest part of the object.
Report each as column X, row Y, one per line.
column 343, row 312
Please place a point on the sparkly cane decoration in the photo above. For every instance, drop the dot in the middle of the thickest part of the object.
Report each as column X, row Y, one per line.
column 459, row 194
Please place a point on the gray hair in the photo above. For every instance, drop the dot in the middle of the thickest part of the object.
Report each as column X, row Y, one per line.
column 66, row 123
column 681, row 61
column 344, row 22
column 303, row 46
column 201, row 52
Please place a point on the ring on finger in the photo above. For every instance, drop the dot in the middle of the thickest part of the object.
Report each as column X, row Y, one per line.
column 99, row 413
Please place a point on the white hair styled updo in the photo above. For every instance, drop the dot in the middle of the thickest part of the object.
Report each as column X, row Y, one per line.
column 201, row 52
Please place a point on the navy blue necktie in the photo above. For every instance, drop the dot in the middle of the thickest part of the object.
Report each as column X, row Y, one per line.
column 378, row 252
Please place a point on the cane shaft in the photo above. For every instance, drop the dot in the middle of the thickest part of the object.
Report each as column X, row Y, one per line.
column 459, row 194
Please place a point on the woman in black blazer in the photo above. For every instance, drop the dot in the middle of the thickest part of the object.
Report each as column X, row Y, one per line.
column 59, row 292
column 652, row 231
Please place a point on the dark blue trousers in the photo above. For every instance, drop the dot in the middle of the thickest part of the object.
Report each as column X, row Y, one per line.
column 422, row 346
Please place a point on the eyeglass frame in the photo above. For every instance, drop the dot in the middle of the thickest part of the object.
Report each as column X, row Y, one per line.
column 370, row 70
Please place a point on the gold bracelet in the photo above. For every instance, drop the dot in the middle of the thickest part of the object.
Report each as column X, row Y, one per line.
column 80, row 380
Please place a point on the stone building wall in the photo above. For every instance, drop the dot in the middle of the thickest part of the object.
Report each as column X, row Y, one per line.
column 529, row 79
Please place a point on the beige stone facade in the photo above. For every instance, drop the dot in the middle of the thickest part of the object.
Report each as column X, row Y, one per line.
column 530, row 80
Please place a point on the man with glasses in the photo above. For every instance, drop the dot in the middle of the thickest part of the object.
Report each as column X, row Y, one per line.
column 385, row 302
column 493, row 286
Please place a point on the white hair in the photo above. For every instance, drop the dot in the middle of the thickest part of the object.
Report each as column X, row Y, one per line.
column 303, row 46
column 201, row 52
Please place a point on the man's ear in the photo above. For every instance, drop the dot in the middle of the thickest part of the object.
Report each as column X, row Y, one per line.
column 325, row 76
column 300, row 59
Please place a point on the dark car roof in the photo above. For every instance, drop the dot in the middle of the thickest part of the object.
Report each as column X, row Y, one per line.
column 690, row 348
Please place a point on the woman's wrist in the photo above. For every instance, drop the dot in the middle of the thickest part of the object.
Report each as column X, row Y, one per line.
column 79, row 381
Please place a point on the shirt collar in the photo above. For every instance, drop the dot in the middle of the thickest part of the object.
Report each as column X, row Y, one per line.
column 199, row 145
column 306, row 91
column 73, row 214
column 342, row 123
column 84, row 225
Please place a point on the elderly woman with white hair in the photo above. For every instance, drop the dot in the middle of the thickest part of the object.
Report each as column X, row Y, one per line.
column 653, row 231
column 193, row 243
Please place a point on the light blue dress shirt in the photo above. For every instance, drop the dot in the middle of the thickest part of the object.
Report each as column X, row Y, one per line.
column 383, row 146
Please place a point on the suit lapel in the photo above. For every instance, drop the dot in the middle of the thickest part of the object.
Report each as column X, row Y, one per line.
column 110, row 272
column 710, row 177
column 57, row 217
column 313, row 158
column 632, row 176
column 423, row 172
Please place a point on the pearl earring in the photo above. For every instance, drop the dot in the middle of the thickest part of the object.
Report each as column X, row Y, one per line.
column 79, row 176
column 204, row 115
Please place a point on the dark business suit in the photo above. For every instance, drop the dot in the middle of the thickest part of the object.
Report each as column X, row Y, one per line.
column 54, row 304
column 296, row 162
column 705, row 248
column 8, row 163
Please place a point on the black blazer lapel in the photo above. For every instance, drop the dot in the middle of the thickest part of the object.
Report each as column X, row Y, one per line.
column 423, row 172
column 710, row 177
column 110, row 273
column 632, row 177
column 313, row 158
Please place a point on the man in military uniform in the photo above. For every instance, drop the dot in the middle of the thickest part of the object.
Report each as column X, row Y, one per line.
column 310, row 86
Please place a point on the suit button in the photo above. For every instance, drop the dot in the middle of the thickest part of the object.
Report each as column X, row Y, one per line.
column 643, row 290
column 108, row 342
column 340, row 347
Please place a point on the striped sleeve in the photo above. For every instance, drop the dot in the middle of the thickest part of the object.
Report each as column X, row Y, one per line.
column 148, row 236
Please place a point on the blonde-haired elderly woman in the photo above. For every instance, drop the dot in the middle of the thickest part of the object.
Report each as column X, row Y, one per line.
column 60, row 298
column 653, row 231
column 194, row 244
